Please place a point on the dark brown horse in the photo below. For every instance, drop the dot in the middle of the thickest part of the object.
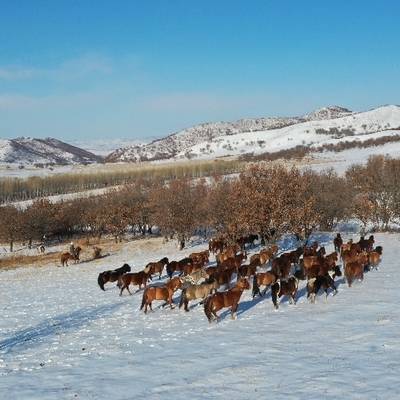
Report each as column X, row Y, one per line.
column 68, row 256
column 247, row 270
column 216, row 245
column 281, row 266
column 222, row 277
column 321, row 281
column 284, row 287
column 112, row 275
column 230, row 298
column 178, row 266
column 157, row 267
column 338, row 242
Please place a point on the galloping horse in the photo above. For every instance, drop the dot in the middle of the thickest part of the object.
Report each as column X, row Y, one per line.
column 262, row 279
column 230, row 298
column 112, row 276
column 68, row 256
column 284, row 287
column 321, row 281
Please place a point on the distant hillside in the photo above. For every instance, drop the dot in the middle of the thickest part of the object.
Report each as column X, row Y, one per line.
column 259, row 135
column 43, row 151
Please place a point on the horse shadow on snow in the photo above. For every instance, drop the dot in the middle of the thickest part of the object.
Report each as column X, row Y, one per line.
column 60, row 324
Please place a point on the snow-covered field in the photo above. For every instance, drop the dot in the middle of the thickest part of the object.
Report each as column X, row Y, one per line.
column 61, row 337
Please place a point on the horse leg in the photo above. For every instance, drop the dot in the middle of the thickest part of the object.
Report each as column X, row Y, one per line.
column 264, row 291
column 233, row 310
column 186, row 302
column 274, row 295
column 127, row 288
column 122, row 289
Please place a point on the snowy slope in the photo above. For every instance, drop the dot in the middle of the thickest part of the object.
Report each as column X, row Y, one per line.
column 208, row 141
column 62, row 338
column 313, row 133
column 182, row 141
column 43, row 151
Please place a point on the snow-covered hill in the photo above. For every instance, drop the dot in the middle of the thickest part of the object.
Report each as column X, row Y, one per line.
column 327, row 125
column 27, row 151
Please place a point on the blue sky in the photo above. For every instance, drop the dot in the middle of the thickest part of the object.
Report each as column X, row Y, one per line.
column 143, row 69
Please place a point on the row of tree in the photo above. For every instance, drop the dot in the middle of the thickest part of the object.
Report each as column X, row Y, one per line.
column 262, row 199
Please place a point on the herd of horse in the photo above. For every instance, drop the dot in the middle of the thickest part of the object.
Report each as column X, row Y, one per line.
column 267, row 270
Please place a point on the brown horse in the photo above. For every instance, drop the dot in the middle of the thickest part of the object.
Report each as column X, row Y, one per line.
column 262, row 279
column 178, row 266
column 164, row 292
column 281, row 266
column 112, row 276
column 366, row 244
column 354, row 268
column 157, row 267
column 374, row 259
column 233, row 262
column 229, row 252
column 201, row 257
column 284, row 287
column 68, row 256
column 133, row 278
column 191, row 268
column 216, row 245
column 222, row 277
column 247, row 270
column 193, row 292
column 230, row 298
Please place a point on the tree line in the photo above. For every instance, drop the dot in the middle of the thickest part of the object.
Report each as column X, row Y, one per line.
column 16, row 189
column 262, row 199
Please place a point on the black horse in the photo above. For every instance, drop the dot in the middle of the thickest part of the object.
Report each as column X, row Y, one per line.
column 112, row 275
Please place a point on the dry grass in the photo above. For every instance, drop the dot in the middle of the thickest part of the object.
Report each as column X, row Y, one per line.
column 107, row 245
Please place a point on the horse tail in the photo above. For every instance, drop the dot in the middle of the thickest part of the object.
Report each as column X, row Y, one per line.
column 207, row 308
column 274, row 293
column 143, row 300
column 183, row 297
column 169, row 271
column 256, row 288
column 100, row 281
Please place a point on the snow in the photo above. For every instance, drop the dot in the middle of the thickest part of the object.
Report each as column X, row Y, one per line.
column 222, row 139
column 384, row 121
column 342, row 160
column 61, row 337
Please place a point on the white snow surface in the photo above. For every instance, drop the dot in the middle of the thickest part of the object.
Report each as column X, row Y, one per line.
column 61, row 337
